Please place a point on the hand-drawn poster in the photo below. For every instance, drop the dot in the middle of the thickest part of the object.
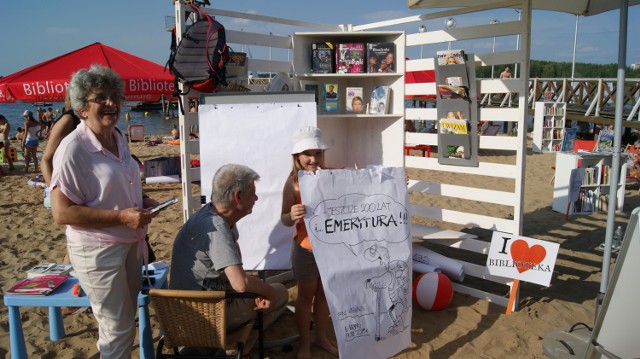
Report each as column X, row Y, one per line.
column 359, row 227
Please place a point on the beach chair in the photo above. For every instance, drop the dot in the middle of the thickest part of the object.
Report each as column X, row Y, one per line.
column 197, row 319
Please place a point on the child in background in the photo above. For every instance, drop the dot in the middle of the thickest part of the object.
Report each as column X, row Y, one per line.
column 308, row 155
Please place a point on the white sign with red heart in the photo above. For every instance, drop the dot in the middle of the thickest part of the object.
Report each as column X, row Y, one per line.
column 527, row 259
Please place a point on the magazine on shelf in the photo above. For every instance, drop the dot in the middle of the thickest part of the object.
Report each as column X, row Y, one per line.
column 350, row 58
column 322, row 57
column 381, row 57
column 452, row 92
column 604, row 142
column 450, row 57
column 49, row 269
column 330, row 98
column 42, row 285
column 456, row 126
column 379, row 104
column 454, row 81
column 569, row 139
column 354, row 100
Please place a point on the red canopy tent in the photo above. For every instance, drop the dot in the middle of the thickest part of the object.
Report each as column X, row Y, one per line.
column 47, row 81
column 414, row 77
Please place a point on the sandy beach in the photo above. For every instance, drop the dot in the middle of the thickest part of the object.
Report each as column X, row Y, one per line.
column 468, row 328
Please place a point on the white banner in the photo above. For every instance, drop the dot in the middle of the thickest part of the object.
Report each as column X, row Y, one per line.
column 527, row 259
column 257, row 135
column 359, row 228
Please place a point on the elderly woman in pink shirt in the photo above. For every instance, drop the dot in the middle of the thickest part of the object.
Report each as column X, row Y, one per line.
column 96, row 192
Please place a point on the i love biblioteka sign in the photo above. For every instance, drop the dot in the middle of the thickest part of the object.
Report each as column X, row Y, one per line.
column 523, row 258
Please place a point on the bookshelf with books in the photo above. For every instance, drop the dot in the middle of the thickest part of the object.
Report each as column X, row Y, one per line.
column 549, row 126
column 457, row 108
column 592, row 196
column 358, row 138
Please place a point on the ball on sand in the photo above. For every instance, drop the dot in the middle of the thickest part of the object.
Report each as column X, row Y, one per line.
column 432, row 291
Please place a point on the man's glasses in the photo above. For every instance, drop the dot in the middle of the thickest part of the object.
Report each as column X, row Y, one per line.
column 101, row 99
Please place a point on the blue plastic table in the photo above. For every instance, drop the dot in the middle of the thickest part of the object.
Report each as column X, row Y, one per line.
column 62, row 297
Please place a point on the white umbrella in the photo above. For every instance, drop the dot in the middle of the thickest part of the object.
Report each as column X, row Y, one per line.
column 576, row 7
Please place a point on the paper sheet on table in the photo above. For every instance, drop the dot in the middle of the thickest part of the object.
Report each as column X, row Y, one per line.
column 163, row 179
column 451, row 267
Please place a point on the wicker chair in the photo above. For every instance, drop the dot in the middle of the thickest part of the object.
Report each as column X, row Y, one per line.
column 196, row 319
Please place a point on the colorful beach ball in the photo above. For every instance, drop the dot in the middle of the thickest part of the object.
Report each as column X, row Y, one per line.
column 432, row 291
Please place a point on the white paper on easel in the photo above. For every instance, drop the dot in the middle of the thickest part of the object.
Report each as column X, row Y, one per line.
column 359, row 228
column 258, row 135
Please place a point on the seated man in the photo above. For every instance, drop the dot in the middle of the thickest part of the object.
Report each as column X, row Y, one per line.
column 206, row 255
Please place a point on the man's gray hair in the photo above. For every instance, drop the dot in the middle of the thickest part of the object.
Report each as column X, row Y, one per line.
column 231, row 178
column 86, row 81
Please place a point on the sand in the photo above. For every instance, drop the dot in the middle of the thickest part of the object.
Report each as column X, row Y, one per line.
column 468, row 328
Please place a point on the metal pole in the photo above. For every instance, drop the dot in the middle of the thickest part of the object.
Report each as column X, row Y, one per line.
column 515, row 70
column 450, row 24
column 422, row 29
column 575, row 41
column 615, row 162
column 493, row 48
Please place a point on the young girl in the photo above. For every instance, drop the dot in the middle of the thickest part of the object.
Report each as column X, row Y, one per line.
column 308, row 155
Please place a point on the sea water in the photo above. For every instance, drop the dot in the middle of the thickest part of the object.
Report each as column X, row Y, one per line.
column 154, row 122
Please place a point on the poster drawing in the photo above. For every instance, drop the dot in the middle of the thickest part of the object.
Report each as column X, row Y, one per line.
column 359, row 227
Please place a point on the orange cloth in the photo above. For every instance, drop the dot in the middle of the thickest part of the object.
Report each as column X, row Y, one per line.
column 301, row 235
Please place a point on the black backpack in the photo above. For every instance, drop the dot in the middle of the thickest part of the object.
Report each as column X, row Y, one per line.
column 200, row 58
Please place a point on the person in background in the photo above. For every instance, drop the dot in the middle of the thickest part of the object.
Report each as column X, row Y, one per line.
column 64, row 125
column 308, row 155
column 19, row 134
column 96, row 192
column 31, row 140
column 175, row 134
column 206, row 255
column 387, row 63
column 505, row 74
column 5, row 144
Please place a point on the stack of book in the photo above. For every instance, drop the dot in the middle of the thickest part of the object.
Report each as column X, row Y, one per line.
column 41, row 285
column 49, row 269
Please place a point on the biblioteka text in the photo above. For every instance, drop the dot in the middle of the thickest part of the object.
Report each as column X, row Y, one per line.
column 522, row 265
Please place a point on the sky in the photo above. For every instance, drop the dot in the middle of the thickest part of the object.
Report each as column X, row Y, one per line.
column 36, row 30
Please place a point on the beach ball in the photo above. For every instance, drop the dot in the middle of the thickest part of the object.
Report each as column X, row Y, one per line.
column 432, row 291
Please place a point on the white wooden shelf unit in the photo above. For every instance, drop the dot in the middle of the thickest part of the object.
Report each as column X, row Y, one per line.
column 357, row 140
column 595, row 188
column 549, row 126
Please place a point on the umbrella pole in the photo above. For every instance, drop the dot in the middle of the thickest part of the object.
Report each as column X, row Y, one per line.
column 615, row 163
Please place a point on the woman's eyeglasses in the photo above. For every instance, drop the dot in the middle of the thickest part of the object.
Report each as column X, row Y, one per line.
column 101, row 99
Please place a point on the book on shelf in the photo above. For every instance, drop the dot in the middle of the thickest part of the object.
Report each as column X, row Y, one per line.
column 322, row 54
column 452, row 92
column 569, row 139
column 380, row 100
column 455, row 152
column 354, row 100
column 330, row 98
column 451, row 57
column 457, row 126
column 49, row 269
column 454, row 81
column 350, row 58
column 381, row 57
column 41, row 285
column 604, row 143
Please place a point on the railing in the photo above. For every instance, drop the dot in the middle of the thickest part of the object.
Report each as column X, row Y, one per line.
column 592, row 95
